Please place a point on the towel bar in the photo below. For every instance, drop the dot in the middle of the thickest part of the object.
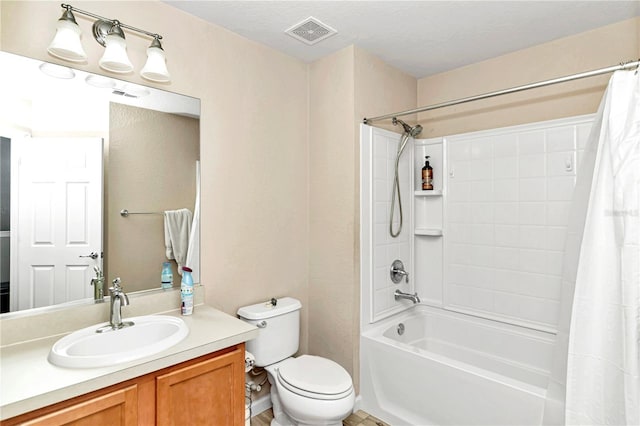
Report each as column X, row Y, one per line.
column 125, row 213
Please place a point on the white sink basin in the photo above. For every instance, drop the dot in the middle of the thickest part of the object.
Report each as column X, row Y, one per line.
column 87, row 349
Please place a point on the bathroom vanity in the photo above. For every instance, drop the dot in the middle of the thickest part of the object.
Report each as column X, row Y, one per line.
column 198, row 381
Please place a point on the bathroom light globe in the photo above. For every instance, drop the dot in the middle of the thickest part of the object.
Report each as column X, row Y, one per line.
column 115, row 57
column 156, row 67
column 66, row 43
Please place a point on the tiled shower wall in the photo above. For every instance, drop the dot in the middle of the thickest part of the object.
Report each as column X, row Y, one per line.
column 507, row 206
column 379, row 155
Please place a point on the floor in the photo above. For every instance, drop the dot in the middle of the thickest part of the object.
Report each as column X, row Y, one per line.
column 359, row 418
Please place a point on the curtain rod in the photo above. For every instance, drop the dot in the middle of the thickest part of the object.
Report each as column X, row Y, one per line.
column 622, row 66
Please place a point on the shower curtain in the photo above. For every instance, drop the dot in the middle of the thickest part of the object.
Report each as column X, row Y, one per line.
column 597, row 366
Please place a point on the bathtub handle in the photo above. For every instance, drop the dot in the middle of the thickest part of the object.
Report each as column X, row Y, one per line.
column 397, row 272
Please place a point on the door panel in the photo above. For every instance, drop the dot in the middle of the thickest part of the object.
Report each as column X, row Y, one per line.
column 59, row 219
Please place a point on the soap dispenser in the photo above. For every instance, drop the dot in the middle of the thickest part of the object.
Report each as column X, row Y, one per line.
column 427, row 176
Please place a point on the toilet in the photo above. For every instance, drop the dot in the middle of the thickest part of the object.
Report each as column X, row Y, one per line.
column 307, row 390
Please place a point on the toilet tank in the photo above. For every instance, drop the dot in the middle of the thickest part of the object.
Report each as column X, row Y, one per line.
column 279, row 325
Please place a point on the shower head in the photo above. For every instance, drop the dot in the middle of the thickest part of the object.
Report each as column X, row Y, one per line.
column 411, row 131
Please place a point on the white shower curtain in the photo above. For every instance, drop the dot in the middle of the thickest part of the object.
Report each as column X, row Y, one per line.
column 599, row 330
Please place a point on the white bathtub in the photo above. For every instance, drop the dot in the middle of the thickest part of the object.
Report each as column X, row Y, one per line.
column 453, row 369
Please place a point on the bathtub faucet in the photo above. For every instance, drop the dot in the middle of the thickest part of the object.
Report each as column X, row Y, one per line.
column 400, row 295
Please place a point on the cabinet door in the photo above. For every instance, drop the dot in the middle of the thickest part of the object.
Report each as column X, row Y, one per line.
column 210, row 392
column 114, row 408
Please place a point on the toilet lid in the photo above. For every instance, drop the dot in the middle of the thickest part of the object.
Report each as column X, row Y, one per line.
column 315, row 374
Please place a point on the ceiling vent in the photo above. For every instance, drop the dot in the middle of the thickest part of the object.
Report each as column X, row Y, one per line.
column 311, row 31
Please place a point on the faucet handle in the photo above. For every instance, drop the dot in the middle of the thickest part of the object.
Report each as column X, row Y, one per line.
column 116, row 286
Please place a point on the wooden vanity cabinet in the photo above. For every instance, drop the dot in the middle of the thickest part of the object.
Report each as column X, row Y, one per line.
column 208, row 390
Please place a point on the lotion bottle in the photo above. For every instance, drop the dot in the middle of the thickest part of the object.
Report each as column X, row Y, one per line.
column 186, row 291
column 427, row 176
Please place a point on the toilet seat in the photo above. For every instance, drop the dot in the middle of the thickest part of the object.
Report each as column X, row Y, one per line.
column 315, row 377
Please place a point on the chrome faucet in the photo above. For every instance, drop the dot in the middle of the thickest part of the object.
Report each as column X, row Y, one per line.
column 400, row 295
column 98, row 285
column 118, row 300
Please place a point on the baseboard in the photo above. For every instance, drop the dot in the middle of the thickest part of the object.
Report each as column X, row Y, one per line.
column 261, row 404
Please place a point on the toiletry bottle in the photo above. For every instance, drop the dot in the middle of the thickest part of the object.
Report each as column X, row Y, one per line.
column 186, row 291
column 427, row 175
column 167, row 276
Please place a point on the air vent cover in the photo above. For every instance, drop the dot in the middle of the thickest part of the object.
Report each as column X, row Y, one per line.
column 311, row 31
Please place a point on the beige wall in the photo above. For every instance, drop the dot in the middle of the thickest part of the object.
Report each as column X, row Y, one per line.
column 151, row 167
column 343, row 88
column 590, row 50
column 253, row 139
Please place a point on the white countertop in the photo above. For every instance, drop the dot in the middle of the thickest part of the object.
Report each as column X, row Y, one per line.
column 28, row 381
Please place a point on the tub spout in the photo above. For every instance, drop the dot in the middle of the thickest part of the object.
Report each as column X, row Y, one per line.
column 400, row 295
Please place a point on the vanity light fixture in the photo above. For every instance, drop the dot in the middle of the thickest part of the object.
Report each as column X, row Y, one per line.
column 109, row 33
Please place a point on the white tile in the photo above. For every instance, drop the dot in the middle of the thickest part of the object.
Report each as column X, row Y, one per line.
column 460, row 295
column 561, row 188
column 381, row 212
column 460, row 212
column 481, row 149
column 381, row 278
column 560, row 139
column 532, row 213
column 506, row 280
column 554, row 263
column 532, row 189
column 459, row 233
column 531, row 143
column 481, row 256
column 561, row 163
column 558, row 213
column 555, row 237
column 458, row 274
column 532, row 165
column 481, row 191
column 505, row 190
column 539, row 310
column 533, row 261
column 482, row 169
column 382, row 300
column 505, row 167
column 482, row 234
column 532, row 237
column 460, row 150
column 505, row 146
column 459, row 191
column 481, row 299
column 506, row 235
column 393, row 253
column 381, row 234
column 539, row 285
column 461, row 170
column 506, row 214
column 506, row 258
column 482, row 213
column 380, row 256
column 481, row 277
column 381, row 190
column 380, row 167
column 460, row 254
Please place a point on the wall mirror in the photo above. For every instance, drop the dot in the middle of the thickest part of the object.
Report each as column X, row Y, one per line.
column 78, row 149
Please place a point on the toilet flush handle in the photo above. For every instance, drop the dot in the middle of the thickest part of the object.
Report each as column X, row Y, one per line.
column 262, row 324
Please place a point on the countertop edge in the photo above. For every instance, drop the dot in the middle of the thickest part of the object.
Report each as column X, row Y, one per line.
column 128, row 371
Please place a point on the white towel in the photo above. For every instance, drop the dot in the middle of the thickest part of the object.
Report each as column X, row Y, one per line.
column 177, row 227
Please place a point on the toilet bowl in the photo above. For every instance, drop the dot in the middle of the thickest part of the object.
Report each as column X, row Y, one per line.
column 310, row 390
column 307, row 390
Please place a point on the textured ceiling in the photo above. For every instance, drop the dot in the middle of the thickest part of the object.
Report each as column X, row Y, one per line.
column 420, row 37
